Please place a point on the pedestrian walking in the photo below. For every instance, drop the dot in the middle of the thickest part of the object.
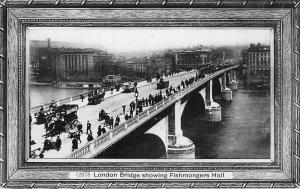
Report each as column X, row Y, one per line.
column 78, row 137
column 123, row 108
column 126, row 117
column 74, row 144
column 99, row 132
column 88, row 127
column 58, row 143
column 112, row 90
column 79, row 128
column 90, row 137
column 103, row 130
column 41, row 155
column 111, row 125
column 81, row 97
column 117, row 120
column 131, row 113
column 132, row 105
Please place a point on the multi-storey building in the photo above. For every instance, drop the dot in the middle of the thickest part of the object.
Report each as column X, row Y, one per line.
column 257, row 64
column 70, row 64
column 156, row 65
column 169, row 58
column 83, row 64
column 43, row 63
column 139, row 69
column 192, row 58
column 127, row 70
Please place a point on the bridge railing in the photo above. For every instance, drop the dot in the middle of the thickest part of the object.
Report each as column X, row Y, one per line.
column 62, row 101
column 142, row 117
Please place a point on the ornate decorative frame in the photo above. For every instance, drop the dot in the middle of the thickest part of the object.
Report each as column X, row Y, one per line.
column 283, row 170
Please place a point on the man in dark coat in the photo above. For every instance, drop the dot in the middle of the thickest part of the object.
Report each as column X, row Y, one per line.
column 78, row 137
column 123, row 108
column 112, row 90
column 58, row 143
column 131, row 113
column 88, row 127
column 47, row 145
column 81, row 97
column 117, row 120
column 74, row 144
column 103, row 130
column 99, row 132
column 126, row 117
column 41, row 155
column 79, row 128
column 90, row 137
column 111, row 121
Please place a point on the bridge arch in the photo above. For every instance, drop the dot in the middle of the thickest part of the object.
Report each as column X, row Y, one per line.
column 194, row 106
column 216, row 87
column 153, row 146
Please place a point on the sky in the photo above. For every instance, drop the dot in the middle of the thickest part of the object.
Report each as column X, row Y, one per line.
column 134, row 39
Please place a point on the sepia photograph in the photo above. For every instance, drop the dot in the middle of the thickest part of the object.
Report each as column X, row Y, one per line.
column 150, row 92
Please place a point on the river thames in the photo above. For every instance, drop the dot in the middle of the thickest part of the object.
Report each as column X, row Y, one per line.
column 42, row 94
column 243, row 133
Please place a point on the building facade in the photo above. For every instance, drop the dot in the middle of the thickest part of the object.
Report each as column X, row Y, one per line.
column 70, row 64
column 256, row 61
column 192, row 58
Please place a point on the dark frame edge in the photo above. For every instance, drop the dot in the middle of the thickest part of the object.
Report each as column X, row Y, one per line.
column 296, row 96
column 155, row 3
column 3, row 89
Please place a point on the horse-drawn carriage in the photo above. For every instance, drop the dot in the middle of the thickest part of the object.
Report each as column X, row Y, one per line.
column 75, row 129
column 103, row 116
column 95, row 99
column 128, row 87
column 44, row 116
column 68, row 112
column 49, row 145
column 64, row 119
column 162, row 84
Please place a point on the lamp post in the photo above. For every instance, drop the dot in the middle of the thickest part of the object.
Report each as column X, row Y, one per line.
column 136, row 101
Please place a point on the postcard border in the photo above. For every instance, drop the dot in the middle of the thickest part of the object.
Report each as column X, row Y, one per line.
column 11, row 25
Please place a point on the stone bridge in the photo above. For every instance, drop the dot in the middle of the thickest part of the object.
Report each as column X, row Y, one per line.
column 167, row 128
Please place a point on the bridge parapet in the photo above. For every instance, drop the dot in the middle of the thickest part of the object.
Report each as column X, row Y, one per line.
column 96, row 146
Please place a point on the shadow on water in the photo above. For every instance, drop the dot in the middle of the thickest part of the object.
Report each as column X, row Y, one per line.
column 244, row 132
column 138, row 145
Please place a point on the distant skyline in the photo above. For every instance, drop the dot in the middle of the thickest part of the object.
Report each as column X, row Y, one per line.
column 145, row 39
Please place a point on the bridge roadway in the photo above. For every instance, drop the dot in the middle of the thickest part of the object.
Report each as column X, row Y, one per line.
column 112, row 105
column 93, row 148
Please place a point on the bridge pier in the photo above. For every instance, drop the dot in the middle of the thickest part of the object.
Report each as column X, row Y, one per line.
column 233, row 85
column 225, row 92
column 179, row 146
column 213, row 111
column 183, row 149
column 233, row 82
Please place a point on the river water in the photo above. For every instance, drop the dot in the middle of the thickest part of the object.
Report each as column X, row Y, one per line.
column 244, row 132
column 42, row 94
